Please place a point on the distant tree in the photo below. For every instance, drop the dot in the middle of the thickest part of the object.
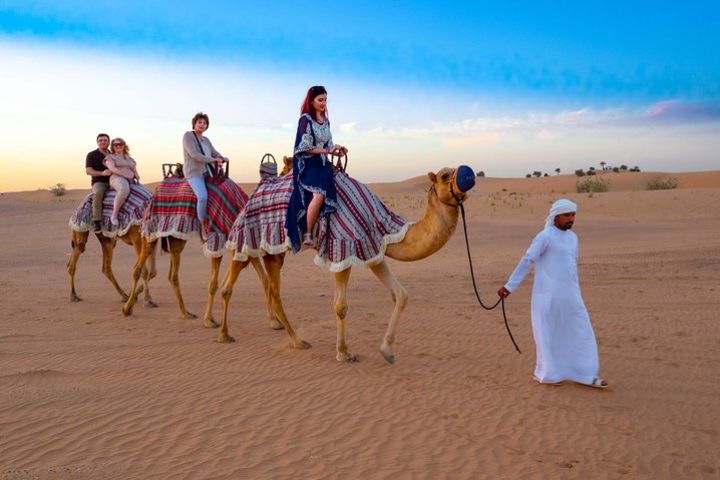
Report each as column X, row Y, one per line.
column 557, row 170
column 537, row 174
column 616, row 169
column 545, row 174
column 591, row 172
column 635, row 169
column 480, row 174
column 602, row 165
column 528, row 176
column 591, row 169
column 579, row 172
column 623, row 168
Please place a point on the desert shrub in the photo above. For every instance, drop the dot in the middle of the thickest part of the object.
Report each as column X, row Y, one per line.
column 58, row 189
column 480, row 174
column 537, row 174
column 592, row 185
column 579, row 172
column 658, row 184
column 528, row 176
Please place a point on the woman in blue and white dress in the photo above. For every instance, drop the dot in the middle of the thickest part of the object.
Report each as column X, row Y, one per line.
column 313, row 184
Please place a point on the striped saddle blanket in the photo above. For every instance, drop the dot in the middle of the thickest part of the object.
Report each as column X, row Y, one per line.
column 131, row 213
column 172, row 213
column 357, row 234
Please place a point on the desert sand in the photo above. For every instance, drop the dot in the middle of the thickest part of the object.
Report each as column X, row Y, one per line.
column 88, row 394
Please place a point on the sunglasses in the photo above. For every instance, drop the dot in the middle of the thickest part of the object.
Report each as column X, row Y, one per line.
column 118, row 144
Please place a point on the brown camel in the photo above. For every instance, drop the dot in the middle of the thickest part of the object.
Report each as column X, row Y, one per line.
column 421, row 240
column 133, row 238
column 175, row 246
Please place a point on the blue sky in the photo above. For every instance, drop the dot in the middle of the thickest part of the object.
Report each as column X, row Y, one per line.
column 521, row 82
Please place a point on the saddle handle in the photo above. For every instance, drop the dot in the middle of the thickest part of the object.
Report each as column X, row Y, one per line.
column 340, row 165
column 172, row 170
column 270, row 159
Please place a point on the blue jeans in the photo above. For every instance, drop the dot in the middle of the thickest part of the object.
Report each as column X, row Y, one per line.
column 198, row 186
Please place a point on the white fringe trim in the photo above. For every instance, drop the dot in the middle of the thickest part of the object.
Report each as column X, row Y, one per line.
column 354, row 261
column 85, row 227
column 265, row 249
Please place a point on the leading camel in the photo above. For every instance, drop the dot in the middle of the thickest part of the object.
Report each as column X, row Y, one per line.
column 421, row 240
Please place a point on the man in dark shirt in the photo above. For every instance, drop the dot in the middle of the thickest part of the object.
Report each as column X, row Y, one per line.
column 100, row 182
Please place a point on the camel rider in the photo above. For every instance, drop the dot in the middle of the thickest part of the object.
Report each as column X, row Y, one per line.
column 95, row 167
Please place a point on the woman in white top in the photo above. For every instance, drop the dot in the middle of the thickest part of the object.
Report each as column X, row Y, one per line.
column 124, row 171
column 199, row 157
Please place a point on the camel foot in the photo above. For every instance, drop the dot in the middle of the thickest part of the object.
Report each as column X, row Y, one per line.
column 301, row 345
column 387, row 354
column 346, row 357
column 124, row 297
column 150, row 304
column 224, row 338
column 276, row 325
column 74, row 297
column 127, row 311
column 189, row 316
column 210, row 323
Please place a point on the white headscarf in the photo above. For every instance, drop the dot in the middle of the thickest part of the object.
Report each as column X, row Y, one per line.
column 558, row 208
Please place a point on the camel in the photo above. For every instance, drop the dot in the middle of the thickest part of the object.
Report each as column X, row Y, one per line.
column 132, row 237
column 175, row 246
column 421, row 240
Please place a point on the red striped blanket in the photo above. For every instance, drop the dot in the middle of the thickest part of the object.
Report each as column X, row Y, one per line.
column 131, row 213
column 357, row 234
column 172, row 213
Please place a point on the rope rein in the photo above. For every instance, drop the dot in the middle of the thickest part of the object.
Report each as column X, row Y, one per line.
column 501, row 300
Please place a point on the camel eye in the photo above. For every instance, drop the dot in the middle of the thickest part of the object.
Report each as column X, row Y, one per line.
column 445, row 177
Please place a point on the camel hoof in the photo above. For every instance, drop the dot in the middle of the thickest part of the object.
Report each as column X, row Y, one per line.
column 302, row 345
column 276, row 325
column 189, row 316
column 387, row 355
column 75, row 298
column 224, row 338
column 150, row 304
column 127, row 311
column 345, row 357
column 210, row 323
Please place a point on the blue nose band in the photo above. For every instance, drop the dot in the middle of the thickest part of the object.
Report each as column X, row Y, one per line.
column 465, row 178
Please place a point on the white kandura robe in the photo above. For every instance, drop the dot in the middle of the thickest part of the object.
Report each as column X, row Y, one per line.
column 564, row 338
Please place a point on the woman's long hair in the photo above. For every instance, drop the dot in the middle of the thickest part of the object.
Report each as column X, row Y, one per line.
column 307, row 106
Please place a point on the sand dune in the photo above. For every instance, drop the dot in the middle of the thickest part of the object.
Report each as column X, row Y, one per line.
column 87, row 393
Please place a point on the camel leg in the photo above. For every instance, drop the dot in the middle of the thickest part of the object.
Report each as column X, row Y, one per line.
column 399, row 295
column 274, row 323
column 149, row 270
column 226, row 291
column 108, row 248
column 147, row 248
column 340, row 306
column 78, row 242
column 209, row 321
column 273, row 264
column 176, row 246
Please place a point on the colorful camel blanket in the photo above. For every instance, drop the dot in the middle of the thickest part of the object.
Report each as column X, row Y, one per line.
column 172, row 213
column 131, row 213
column 357, row 234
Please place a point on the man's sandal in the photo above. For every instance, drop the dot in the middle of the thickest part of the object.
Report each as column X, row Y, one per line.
column 597, row 383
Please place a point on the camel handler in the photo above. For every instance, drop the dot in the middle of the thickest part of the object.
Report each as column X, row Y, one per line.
column 564, row 339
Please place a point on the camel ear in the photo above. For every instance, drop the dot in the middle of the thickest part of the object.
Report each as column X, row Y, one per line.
column 287, row 160
column 432, row 177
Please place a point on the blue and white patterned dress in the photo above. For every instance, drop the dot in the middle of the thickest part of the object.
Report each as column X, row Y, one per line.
column 312, row 173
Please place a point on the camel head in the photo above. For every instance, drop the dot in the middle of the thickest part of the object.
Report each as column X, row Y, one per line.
column 452, row 184
column 287, row 166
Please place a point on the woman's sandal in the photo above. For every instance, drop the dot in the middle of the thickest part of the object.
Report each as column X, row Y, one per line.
column 598, row 383
column 308, row 241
